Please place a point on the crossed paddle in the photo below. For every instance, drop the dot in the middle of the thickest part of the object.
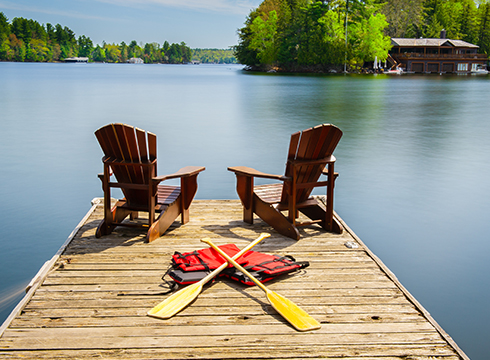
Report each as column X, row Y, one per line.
column 296, row 316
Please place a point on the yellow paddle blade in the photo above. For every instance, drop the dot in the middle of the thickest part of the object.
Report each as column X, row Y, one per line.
column 176, row 302
column 292, row 312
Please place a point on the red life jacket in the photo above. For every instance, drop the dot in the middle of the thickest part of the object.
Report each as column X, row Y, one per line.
column 188, row 268
column 204, row 259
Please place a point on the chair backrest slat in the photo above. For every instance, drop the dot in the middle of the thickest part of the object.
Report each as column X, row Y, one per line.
column 143, row 153
column 330, row 138
column 311, row 144
column 125, row 143
column 134, row 156
column 306, row 151
column 143, row 150
column 152, row 146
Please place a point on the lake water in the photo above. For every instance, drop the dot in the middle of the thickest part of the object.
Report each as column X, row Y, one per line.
column 413, row 162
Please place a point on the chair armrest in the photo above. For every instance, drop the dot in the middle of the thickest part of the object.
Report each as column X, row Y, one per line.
column 325, row 172
column 184, row 172
column 247, row 171
column 328, row 160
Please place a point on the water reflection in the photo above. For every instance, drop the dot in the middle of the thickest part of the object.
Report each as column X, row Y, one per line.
column 412, row 161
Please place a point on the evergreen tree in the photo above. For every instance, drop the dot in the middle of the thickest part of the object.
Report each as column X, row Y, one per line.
column 468, row 22
column 484, row 28
column 4, row 37
column 85, row 46
column 99, row 54
column 404, row 18
column 123, row 48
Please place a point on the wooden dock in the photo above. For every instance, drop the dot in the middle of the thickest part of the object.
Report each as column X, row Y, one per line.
column 90, row 300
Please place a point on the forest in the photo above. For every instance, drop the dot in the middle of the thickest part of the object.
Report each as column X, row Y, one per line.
column 305, row 35
column 25, row 40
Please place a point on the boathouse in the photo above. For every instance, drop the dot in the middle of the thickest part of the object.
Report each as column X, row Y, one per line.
column 135, row 60
column 76, row 60
column 427, row 55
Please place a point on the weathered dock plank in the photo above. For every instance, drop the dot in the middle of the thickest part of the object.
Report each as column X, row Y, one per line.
column 91, row 300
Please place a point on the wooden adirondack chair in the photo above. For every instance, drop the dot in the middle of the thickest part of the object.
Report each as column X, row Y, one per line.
column 131, row 154
column 310, row 155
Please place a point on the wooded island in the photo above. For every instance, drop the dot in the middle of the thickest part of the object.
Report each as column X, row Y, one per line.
column 297, row 35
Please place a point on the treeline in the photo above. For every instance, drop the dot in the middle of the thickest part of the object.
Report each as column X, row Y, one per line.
column 214, row 56
column 27, row 40
column 295, row 35
column 150, row 53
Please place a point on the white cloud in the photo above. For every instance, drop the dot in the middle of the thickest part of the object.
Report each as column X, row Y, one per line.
column 222, row 6
column 28, row 8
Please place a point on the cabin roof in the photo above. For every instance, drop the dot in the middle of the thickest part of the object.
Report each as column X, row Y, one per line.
column 427, row 42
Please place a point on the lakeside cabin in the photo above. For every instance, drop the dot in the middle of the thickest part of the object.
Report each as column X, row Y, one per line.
column 77, row 60
column 134, row 60
column 427, row 55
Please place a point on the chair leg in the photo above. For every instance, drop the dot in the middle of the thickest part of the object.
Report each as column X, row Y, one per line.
column 188, row 189
column 163, row 222
column 116, row 215
column 244, row 189
column 103, row 229
column 317, row 213
column 274, row 218
column 336, row 226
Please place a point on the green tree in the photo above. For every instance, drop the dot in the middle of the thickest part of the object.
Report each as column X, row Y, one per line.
column 123, row 48
column 152, row 53
column 174, row 54
column 367, row 37
column 484, row 28
column 4, row 37
column 38, row 51
column 166, row 46
column 99, row 54
column 134, row 51
column 56, row 51
column 21, row 28
column 468, row 22
column 262, row 40
column 321, row 39
column 299, row 34
column 217, row 56
column 404, row 17
column 85, row 46
column 112, row 53
column 186, row 52
column 50, row 33
column 18, row 48
column 4, row 24
column 243, row 51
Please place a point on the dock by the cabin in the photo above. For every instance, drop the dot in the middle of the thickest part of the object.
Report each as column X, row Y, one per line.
column 91, row 300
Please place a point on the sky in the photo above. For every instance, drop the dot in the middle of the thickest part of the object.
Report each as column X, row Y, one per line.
column 200, row 24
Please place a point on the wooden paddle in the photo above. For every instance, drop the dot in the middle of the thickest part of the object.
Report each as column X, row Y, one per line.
column 179, row 300
column 288, row 310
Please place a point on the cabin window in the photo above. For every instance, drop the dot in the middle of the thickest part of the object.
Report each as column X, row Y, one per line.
column 462, row 67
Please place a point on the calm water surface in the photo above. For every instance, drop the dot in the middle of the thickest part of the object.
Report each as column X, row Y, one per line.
column 413, row 162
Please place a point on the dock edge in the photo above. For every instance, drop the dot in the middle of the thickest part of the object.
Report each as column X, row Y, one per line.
column 409, row 296
column 38, row 279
